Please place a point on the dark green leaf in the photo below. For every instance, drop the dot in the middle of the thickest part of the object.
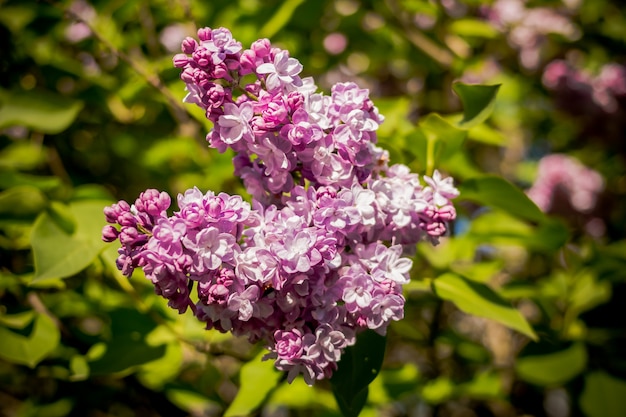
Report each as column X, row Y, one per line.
column 478, row 102
column 480, row 300
column 358, row 367
column 127, row 347
column 499, row 193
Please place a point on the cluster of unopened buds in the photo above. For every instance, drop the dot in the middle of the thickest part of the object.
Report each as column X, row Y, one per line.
column 319, row 255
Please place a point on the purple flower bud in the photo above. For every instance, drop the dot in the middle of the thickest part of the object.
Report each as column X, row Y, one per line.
column 180, row 60
column 204, row 34
column 109, row 233
column 261, row 47
column 153, row 202
column 189, row 45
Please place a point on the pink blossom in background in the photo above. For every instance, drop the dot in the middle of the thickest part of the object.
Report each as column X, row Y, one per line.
column 580, row 184
column 335, row 43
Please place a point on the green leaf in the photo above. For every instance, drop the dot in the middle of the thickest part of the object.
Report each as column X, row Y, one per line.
column 358, row 367
column 30, row 350
column 79, row 368
column 10, row 179
column 22, row 155
column 498, row 227
column 553, row 369
column 18, row 320
column 443, row 140
column 62, row 216
column 22, row 202
column 280, row 18
column 480, row 300
column 473, row 28
column 603, row 396
column 438, row 390
column 497, row 192
column 251, row 393
column 59, row 254
column 478, row 102
column 127, row 347
column 42, row 111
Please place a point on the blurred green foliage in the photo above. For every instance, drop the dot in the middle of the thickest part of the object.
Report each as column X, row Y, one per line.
column 517, row 313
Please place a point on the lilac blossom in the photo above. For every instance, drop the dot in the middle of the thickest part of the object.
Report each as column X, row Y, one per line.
column 318, row 256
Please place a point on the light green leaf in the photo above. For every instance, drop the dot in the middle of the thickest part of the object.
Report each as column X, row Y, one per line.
column 59, row 254
column 473, row 28
column 498, row 227
column 252, row 393
column 553, row 369
column 443, row 140
column 438, row 390
column 62, row 216
column 280, row 18
column 478, row 102
column 18, row 320
column 42, row 111
column 193, row 402
column 79, row 368
column 30, row 350
column 480, row 300
column 603, row 396
column 497, row 192
column 484, row 385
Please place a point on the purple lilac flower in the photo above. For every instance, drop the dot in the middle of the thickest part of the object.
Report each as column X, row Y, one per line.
column 309, row 264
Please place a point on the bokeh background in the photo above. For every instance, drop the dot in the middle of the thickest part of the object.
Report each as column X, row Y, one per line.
column 91, row 112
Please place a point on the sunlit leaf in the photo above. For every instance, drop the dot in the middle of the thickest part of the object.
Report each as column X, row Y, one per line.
column 18, row 320
column 553, row 369
column 79, row 368
column 478, row 102
column 39, row 110
column 473, row 28
column 358, row 367
column 480, row 300
column 497, row 192
column 603, row 396
column 59, row 254
column 484, row 385
column 30, row 350
column 252, row 393
column 438, row 390
column 280, row 18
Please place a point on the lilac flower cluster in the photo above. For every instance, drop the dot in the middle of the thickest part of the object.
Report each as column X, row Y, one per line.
column 566, row 187
column 319, row 255
column 581, row 92
column 581, row 185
